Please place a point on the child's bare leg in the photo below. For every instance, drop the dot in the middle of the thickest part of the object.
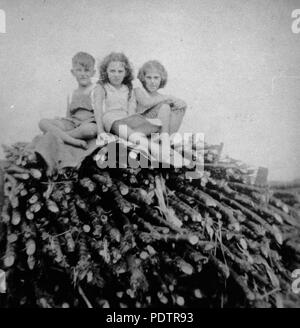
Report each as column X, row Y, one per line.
column 45, row 123
column 147, row 129
column 141, row 140
column 85, row 131
column 57, row 128
column 127, row 133
column 165, row 114
column 176, row 120
column 161, row 153
column 139, row 124
column 132, row 121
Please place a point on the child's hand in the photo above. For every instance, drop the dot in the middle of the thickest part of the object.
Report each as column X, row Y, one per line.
column 179, row 104
column 103, row 139
column 176, row 103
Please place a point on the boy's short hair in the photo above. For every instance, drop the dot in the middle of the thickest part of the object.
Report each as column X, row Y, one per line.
column 83, row 59
column 153, row 64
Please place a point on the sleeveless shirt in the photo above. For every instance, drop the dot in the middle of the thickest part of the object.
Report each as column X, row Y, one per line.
column 81, row 105
column 118, row 98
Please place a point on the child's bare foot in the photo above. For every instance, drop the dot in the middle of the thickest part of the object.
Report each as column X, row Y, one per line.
column 76, row 143
column 71, row 140
column 83, row 144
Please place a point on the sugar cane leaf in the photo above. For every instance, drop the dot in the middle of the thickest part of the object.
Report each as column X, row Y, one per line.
column 249, row 257
column 172, row 217
column 49, row 190
column 273, row 278
column 243, row 243
column 278, row 235
column 278, row 218
column 105, row 252
column 265, row 249
column 210, row 231
column 82, row 274
column 209, row 221
column 168, row 212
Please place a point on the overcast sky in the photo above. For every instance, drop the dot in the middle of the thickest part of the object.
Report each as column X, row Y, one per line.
column 236, row 63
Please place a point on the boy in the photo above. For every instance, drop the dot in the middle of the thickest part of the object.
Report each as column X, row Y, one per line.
column 79, row 124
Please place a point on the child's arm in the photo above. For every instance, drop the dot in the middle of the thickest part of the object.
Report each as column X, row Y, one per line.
column 143, row 98
column 98, row 98
column 68, row 114
column 132, row 104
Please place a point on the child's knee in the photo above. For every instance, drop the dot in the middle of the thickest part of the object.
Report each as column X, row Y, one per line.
column 115, row 127
column 89, row 131
column 164, row 107
column 94, row 131
column 43, row 123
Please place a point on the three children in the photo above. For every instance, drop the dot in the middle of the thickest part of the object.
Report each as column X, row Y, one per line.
column 118, row 104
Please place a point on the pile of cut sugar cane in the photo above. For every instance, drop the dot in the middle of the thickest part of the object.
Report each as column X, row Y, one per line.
column 134, row 237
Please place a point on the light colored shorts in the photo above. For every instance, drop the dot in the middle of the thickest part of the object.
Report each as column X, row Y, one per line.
column 111, row 116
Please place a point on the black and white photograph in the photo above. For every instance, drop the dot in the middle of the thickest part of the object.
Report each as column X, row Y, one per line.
column 150, row 156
